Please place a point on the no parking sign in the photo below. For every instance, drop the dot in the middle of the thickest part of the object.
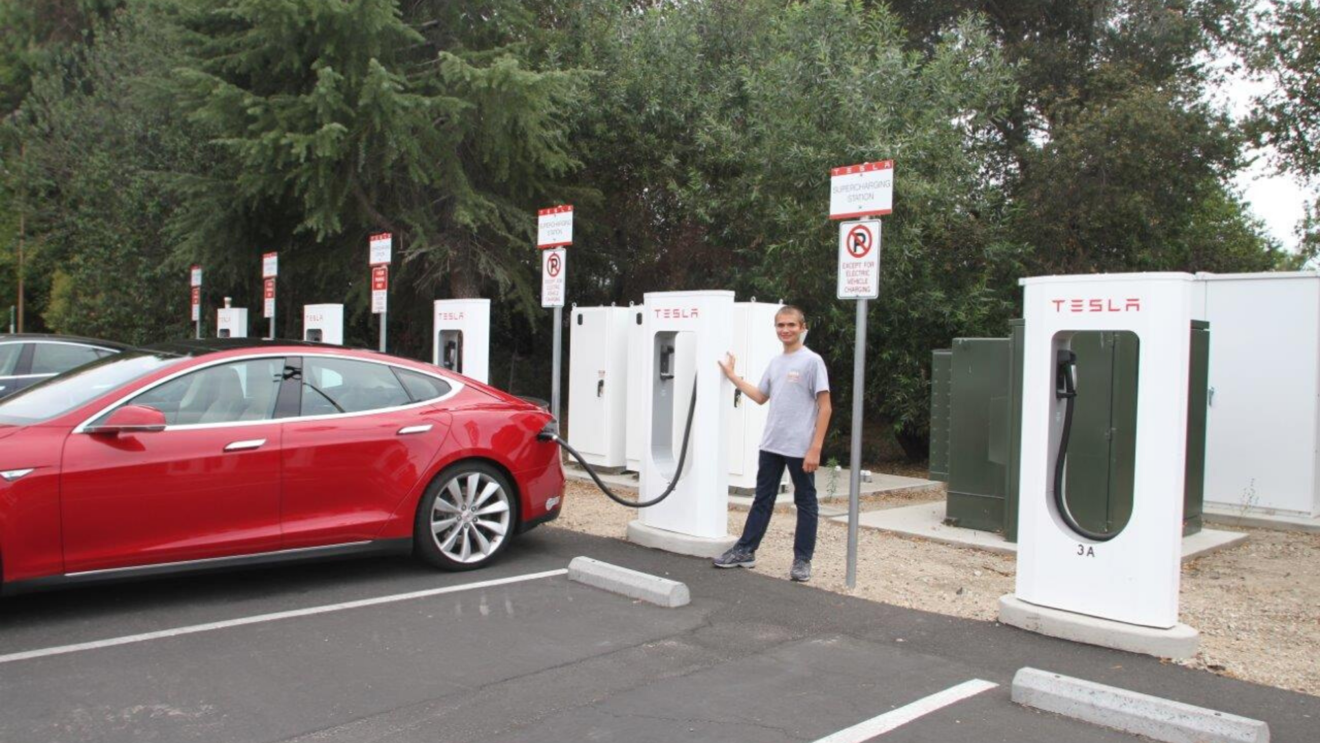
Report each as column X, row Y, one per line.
column 554, row 273
column 859, row 260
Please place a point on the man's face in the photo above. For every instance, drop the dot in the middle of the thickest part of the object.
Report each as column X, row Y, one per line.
column 789, row 327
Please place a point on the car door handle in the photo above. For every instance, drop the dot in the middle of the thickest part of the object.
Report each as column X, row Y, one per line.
column 245, row 445
column 414, row 429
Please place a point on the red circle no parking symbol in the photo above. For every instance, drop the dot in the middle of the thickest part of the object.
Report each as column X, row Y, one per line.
column 553, row 265
column 859, row 241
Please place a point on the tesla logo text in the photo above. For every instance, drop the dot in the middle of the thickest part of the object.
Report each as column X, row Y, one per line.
column 1131, row 304
column 675, row 313
column 314, row 318
column 449, row 315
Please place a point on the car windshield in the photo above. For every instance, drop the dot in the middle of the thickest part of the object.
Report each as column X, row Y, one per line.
column 60, row 394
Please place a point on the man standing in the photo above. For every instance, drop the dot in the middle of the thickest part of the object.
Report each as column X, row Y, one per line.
column 798, row 390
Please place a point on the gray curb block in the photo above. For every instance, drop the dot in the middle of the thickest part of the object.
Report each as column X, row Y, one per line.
column 659, row 591
column 1142, row 714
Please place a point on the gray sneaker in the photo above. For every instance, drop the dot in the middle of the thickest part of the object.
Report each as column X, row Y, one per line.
column 736, row 557
column 801, row 571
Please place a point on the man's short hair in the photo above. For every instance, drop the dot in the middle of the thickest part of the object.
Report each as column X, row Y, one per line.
column 791, row 309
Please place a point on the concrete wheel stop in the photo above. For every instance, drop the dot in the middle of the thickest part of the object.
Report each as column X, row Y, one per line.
column 1142, row 714
column 681, row 544
column 670, row 594
column 1178, row 643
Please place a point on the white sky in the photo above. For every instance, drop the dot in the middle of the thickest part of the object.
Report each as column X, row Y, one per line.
column 1278, row 200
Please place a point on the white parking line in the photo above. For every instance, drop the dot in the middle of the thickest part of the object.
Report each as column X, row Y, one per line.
column 905, row 714
column 276, row 616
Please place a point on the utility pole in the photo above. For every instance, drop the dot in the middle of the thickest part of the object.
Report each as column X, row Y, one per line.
column 22, row 236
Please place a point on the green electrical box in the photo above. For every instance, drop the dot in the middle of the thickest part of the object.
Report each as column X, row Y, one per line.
column 939, row 415
column 983, row 429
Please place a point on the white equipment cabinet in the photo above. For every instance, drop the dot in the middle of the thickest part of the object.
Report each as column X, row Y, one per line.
column 1263, row 427
column 755, row 343
column 324, row 323
column 461, row 337
column 231, row 322
column 598, row 384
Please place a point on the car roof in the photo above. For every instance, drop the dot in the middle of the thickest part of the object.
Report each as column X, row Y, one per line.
column 27, row 337
column 204, row 346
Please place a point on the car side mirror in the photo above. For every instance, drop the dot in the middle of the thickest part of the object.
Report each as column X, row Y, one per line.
column 131, row 419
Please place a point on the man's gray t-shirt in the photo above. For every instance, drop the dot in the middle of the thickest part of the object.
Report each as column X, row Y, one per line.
column 792, row 382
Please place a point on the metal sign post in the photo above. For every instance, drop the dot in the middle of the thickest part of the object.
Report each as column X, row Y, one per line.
column 270, row 268
column 380, row 246
column 554, row 232
column 864, row 191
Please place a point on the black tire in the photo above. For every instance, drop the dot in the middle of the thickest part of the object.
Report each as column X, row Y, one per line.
column 466, row 518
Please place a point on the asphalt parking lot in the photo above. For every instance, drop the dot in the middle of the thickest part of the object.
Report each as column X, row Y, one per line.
column 387, row 650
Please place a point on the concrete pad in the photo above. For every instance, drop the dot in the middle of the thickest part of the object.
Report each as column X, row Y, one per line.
column 672, row 541
column 1178, row 643
column 741, row 499
column 1260, row 519
column 926, row 520
column 1141, row 714
column 631, row 583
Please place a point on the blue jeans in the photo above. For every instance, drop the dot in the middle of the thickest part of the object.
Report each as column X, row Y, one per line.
column 769, row 471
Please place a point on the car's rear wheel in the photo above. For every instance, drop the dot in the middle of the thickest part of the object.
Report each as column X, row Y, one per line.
column 466, row 518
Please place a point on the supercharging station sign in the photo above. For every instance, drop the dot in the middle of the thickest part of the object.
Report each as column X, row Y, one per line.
column 862, row 190
column 380, row 253
column 554, row 232
column 195, row 283
column 554, row 226
column 270, row 268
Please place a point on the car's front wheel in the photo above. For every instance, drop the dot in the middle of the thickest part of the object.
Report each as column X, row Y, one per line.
column 466, row 517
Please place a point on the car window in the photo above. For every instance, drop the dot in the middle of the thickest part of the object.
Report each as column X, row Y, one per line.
column 422, row 387
column 332, row 385
column 58, row 395
column 227, row 393
column 9, row 353
column 55, row 358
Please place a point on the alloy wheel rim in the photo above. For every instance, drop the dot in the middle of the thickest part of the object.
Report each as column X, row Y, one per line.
column 470, row 517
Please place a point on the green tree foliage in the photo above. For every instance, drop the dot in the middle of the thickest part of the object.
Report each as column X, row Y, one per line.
column 712, row 136
column 1288, row 118
column 99, row 148
column 334, row 120
column 1112, row 159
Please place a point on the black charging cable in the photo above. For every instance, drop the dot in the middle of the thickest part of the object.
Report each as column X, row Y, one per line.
column 678, row 472
column 1065, row 388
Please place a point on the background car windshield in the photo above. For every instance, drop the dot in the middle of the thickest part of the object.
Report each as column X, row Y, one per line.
column 9, row 357
column 58, row 395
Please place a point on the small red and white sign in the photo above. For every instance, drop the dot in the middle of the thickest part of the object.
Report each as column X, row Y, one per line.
column 268, row 297
column 865, row 190
column 270, row 265
column 554, row 227
column 859, row 260
column 380, row 247
column 380, row 289
column 196, row 302
column 554, row 276
column 195, row 276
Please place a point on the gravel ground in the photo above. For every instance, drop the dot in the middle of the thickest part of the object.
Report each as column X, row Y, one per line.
column 1255, row 605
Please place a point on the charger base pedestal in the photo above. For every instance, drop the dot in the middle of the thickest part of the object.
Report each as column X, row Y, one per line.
column 1178, row 643
column 681, row 544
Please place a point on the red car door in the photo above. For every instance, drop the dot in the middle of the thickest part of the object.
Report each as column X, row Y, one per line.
column 361, row 444
column 207, row 486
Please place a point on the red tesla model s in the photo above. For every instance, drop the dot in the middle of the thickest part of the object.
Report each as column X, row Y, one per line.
column 220, row 453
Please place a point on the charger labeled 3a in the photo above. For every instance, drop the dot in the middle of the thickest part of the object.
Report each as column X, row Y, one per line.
column 1130, row 573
